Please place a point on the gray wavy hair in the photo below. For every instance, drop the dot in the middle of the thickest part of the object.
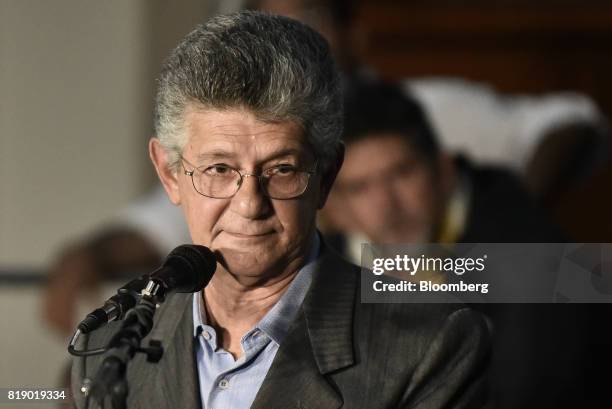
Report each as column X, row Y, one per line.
column 278, row 68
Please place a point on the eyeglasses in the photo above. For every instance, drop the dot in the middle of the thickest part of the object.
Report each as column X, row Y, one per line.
column 222, row 181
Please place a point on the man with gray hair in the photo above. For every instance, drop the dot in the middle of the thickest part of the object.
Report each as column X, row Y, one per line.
column 248, row 122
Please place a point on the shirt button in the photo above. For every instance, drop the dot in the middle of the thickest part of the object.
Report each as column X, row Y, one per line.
column 206, row 335
column 223, row 384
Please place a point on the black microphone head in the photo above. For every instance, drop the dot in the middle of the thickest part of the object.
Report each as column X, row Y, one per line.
column 188, row 268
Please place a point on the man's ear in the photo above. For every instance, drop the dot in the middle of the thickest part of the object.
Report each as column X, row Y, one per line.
column 328, row 178
column 167, row 176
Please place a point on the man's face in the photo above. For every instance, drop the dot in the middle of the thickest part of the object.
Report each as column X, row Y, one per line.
column 256, row 236
column 391, row 194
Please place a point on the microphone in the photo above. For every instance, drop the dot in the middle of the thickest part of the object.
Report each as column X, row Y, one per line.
column 115, row 307
column 187, row 269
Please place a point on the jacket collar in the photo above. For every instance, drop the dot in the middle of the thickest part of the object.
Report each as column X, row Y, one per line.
column 319, row 343
column 173, row 382
column 329, row 311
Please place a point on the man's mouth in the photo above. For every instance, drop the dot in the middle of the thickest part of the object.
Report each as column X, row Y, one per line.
column 250, row 235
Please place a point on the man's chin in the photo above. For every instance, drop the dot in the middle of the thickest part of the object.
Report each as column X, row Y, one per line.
column 406, row 237
column 248, row 265
column 243, row 243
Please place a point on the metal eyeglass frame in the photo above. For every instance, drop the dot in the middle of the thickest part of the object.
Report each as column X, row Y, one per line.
column 260, row 180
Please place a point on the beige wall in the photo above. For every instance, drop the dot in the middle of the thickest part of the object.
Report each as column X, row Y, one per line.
column 76, row 83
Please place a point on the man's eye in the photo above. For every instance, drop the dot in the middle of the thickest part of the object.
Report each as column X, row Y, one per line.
column 281, row 170
column 217, row 170
column 355, row 189
column 405, row 168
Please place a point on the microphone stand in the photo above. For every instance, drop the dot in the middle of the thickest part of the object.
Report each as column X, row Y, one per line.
column 110, row 379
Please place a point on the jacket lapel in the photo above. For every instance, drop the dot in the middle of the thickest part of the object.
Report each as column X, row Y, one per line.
column 319, row 342
column 173, row 381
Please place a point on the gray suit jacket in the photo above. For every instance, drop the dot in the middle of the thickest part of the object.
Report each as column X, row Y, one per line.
column 339, row 353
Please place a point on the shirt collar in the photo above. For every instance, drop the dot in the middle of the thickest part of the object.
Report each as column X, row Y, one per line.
column 456, row 214
column 277, row 321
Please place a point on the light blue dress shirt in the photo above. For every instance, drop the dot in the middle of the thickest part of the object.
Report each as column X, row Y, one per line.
column 226, row 383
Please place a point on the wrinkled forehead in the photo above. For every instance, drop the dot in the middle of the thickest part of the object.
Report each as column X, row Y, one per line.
column 239, row 134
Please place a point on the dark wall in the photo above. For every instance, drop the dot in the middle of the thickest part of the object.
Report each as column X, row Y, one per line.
column 517, row 46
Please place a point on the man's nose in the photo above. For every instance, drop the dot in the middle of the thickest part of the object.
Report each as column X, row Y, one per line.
column 383, row 197
column 250, row 201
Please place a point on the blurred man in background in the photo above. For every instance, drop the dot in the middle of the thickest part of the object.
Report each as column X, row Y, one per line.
column 398, row 185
